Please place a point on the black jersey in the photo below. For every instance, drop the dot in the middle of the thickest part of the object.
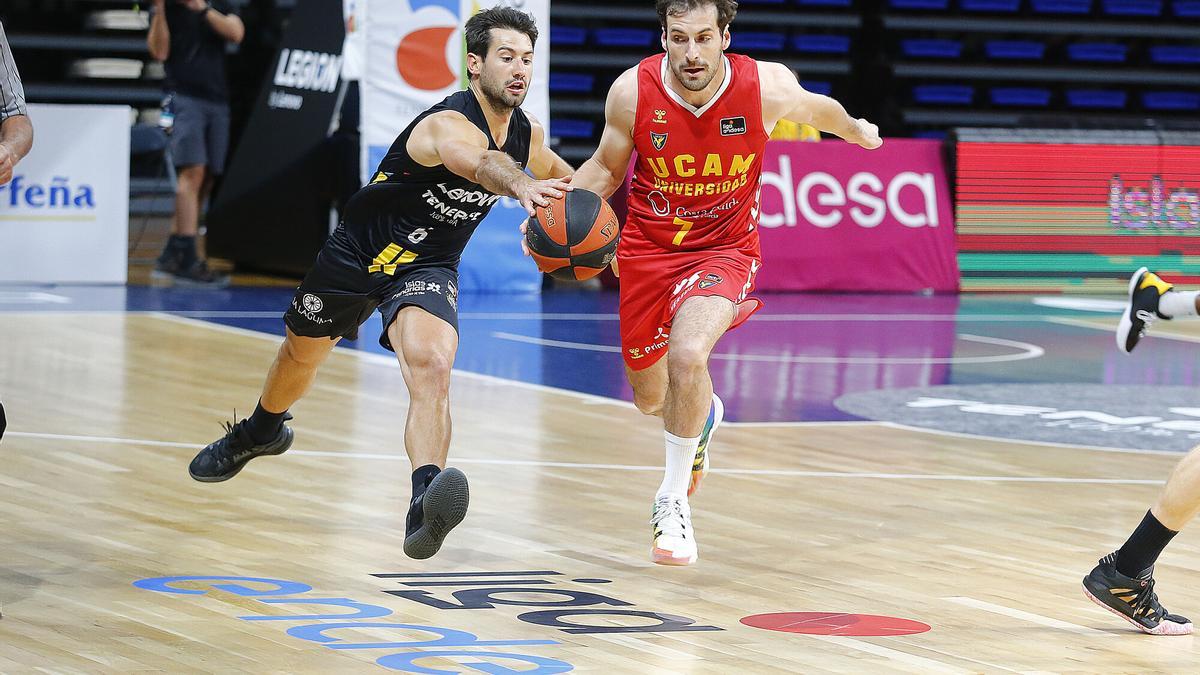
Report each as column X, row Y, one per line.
column 417, row 216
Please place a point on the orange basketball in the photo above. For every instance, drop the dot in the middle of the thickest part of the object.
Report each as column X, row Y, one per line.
column 574, row 237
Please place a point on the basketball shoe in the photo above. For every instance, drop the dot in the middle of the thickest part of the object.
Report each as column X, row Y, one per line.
column 1132, row 599
column 671, row 523
column 1145, row 290
column 225, row 457
column 434, row 512
column 700, row 465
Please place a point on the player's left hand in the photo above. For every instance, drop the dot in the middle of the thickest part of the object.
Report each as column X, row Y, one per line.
column 865, row 135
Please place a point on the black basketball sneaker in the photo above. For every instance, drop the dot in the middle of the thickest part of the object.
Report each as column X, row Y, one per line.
column 1132, row 599
column 435, row 512
column 1145, row 290
column 224, row 458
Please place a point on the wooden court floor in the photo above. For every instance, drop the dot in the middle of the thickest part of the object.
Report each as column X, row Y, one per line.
column 983, row 541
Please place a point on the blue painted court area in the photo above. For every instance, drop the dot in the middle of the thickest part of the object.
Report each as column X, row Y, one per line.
column 789, row 363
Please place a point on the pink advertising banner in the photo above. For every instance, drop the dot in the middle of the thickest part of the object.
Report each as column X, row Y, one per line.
column 836, row 217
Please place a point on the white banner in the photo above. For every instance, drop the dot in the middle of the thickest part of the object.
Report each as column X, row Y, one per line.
column 415, row 58
column 64, row 218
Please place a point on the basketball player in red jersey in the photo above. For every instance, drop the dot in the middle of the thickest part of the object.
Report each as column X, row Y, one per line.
column 699, row 119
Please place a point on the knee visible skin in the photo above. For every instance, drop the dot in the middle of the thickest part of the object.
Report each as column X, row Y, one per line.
column 305, row 354
column 1180, row 499
column 687, row 361
column 430, row 371
column 649, row 387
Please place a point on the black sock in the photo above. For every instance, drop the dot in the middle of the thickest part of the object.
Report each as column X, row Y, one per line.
column 264, row 426
column 1143, row 547
column 422, row 476
column 186, row 250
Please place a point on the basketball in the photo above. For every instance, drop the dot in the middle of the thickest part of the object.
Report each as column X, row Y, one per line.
column 574, row 237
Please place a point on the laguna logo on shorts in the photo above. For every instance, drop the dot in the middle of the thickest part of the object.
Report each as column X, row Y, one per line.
column 710, row 280
column 312, row 303
column 658, row 140
column 733, row 126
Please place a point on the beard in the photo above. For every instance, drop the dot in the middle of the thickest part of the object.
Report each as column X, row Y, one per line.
column 498, row 96
column 694, row 83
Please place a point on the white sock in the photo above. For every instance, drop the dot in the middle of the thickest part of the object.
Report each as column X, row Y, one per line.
column 681, row 454
column 1178, row 303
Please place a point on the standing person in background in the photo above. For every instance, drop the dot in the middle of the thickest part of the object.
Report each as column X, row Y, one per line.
column 190, row 36
column 16, row 132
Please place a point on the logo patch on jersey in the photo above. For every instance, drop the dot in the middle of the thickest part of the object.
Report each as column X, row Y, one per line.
column 710, row 280
column 658, row 140
column 733, row 126
column 658, row 202
column 660, row 116
column 380, row 177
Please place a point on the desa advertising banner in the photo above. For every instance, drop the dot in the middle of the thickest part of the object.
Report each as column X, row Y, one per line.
column 64, row 217
column 836, row 217
column 415, row 58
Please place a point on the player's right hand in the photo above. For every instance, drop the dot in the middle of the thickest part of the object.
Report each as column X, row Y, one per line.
column 539, row 192
column 8, row 161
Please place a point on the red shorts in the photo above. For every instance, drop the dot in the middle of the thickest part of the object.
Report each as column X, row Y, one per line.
column 654, row 286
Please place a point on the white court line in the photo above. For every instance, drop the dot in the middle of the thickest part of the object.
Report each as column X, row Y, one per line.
column 1028, row 617
column 1083, row 323
column 792, row 473
column 925, row 665
column 383, row 358
column 605, row 400
column 1027, row 351
column 579, row 316
column 32, row 298
column 816, row 316
column 1048, row 444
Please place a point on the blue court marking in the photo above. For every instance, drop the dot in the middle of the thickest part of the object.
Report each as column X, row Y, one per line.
column 787, row 364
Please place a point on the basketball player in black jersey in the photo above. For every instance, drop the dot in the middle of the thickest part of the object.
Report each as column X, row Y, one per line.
column 397, row 251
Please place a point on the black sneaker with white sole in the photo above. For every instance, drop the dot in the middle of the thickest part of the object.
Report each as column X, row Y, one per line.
column 225, row 457
column 1132, row 599
column 1145, row 290
column 435, row 512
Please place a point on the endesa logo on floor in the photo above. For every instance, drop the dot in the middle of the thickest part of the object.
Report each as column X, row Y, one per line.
column 544, row 599
column 838, row 217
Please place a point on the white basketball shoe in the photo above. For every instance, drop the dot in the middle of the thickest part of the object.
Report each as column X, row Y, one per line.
column 671, row 524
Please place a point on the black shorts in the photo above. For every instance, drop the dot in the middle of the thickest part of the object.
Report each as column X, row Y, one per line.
column 339, row 293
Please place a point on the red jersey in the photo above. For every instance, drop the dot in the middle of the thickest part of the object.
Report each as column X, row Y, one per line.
column 696, row 180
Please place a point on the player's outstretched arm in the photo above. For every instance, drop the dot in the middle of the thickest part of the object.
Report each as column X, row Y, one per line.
column 451, row 140
column 605, row 171
column 784, row 98
column 543, row 162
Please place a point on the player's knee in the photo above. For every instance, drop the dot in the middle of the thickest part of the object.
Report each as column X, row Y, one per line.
column 295, row 353
column 648, row 404
column 430, row 371
column 686, row 360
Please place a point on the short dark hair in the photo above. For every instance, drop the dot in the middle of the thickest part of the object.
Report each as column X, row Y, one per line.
column 726, row 10
column 478, row 31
